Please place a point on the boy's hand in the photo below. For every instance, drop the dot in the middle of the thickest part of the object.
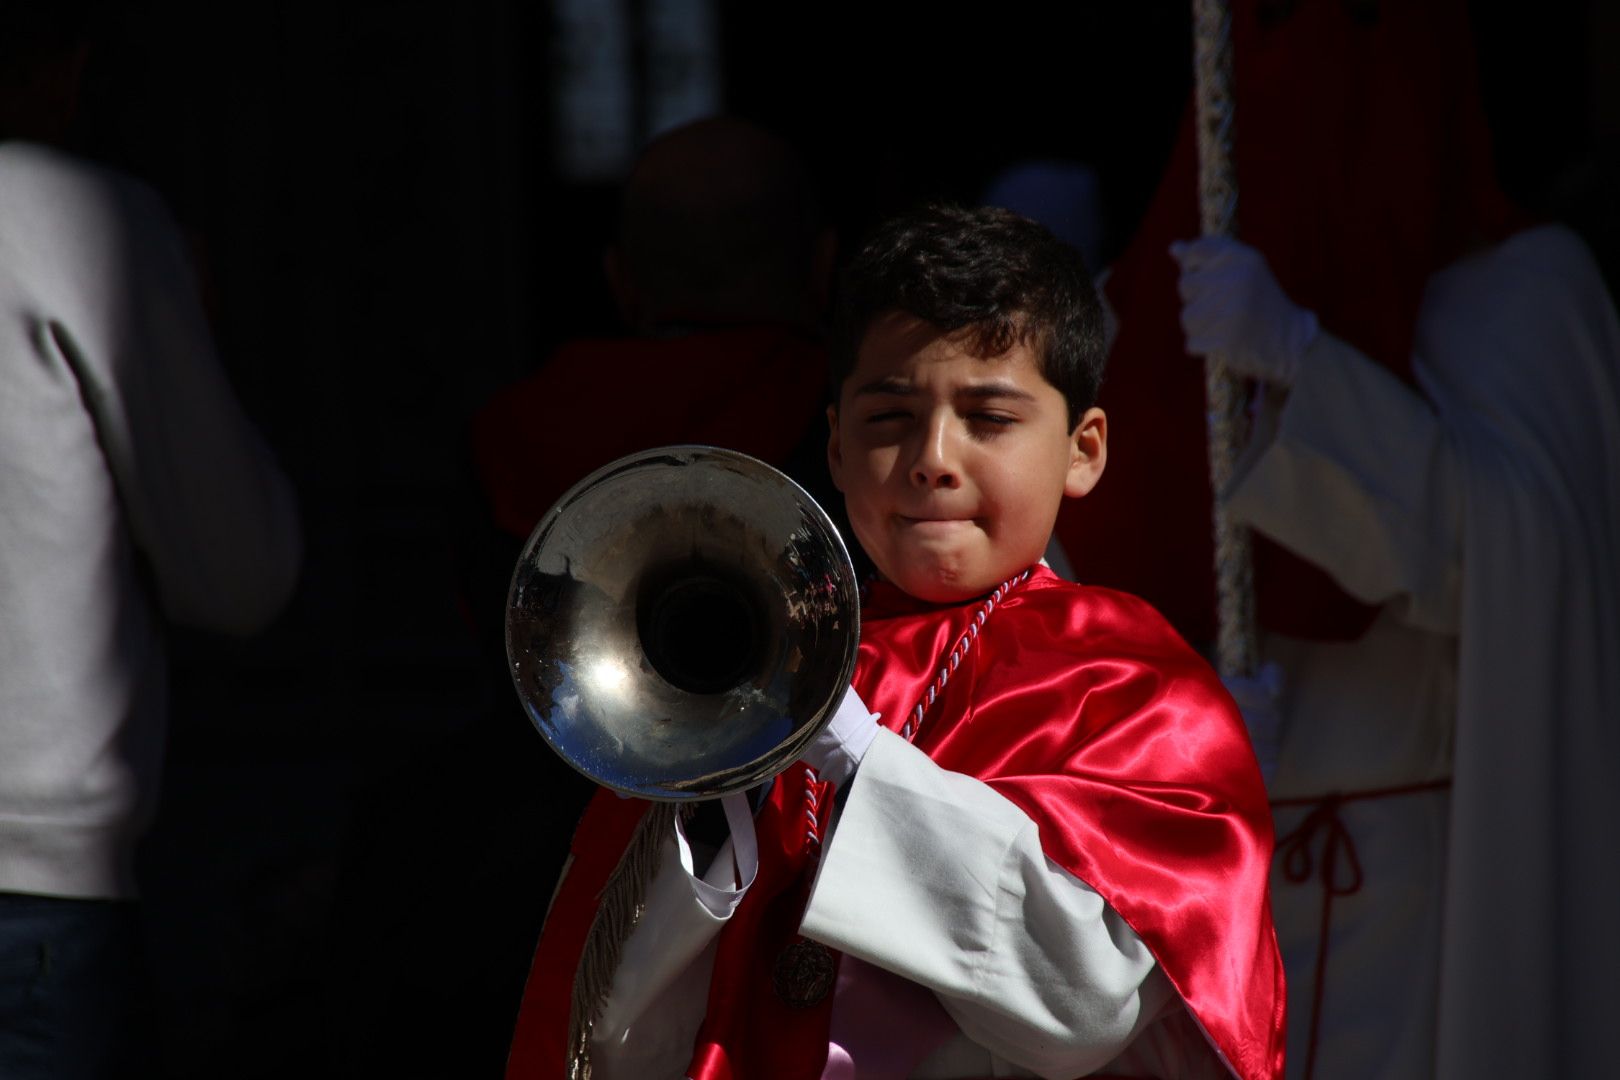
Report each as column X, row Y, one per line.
column 839, row 747
column 1233, row 308
column 1258, row 698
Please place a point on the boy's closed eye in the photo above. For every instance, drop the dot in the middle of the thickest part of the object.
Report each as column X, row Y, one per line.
column 976, row 416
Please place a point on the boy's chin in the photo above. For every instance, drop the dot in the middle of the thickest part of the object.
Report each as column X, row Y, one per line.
column 943, row 588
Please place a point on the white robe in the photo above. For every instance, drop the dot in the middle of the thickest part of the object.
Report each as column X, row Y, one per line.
column 959, row 900
column 1484, row 513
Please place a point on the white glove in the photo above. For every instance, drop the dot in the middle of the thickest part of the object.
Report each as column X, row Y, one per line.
column 1233, row 308
column 1258, row 698
column 838, row 748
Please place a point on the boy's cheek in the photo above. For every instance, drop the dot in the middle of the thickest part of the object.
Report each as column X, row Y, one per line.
column 876, row 461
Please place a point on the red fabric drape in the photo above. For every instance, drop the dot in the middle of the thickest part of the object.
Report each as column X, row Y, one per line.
column 1363, row 165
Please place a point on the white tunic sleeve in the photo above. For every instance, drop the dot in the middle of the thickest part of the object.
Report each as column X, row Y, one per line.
column 1357, row 475
column 936, row 877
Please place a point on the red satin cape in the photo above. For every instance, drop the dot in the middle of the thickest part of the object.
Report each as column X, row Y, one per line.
column 1082, row 707
column 1363, row 165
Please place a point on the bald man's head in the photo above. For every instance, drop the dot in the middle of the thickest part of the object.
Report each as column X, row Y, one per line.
column 719, row 222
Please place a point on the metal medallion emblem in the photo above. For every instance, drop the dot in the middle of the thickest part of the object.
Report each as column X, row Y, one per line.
column 804, row 974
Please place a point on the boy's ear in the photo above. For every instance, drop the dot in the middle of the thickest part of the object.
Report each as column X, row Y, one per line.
column 1088, row 453
column 835, row 451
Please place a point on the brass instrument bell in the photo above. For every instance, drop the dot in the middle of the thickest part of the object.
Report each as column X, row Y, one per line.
column 682, row 623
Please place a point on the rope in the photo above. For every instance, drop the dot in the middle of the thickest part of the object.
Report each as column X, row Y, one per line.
column 1338, row 849
column 1235, row 646
column 954, row 657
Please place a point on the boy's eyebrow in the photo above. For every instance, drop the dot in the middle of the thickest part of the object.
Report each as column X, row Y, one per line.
column 996, row 390
column 891, row 384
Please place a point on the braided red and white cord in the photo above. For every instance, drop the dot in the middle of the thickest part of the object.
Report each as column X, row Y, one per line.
column 914, row 721
column 948, row 666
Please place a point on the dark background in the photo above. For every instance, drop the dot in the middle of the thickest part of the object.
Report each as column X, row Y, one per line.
column 339, row 879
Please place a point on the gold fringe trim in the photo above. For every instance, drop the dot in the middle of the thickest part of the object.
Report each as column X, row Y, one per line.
column 623, row 900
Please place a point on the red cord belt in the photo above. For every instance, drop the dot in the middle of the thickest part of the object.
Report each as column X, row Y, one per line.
column 1338, row 849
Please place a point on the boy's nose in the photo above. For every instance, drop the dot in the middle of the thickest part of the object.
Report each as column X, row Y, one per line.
column 934, row 465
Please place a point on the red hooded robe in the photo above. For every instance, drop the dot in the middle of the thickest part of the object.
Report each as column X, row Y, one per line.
column 1363, row 165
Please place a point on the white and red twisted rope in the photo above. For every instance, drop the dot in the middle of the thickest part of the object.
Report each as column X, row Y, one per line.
column 812, row 809
column 909, row 729
column 914, row 721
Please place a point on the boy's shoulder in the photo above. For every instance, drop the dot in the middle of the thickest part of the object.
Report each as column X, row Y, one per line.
column 1097, row 629
column 1104, row 616
column 1045, row 631
column 1088, row 639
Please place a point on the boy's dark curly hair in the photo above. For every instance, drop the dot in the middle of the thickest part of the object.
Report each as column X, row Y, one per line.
column 1003, row 275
